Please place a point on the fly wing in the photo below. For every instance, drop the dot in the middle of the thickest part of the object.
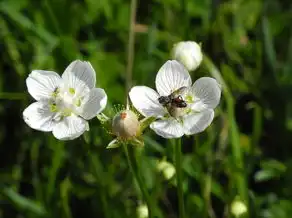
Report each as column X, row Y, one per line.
column 181, row 91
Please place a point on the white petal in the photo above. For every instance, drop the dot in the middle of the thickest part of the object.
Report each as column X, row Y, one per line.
column 172, row 76
column 169, row 128
column 41, row 84
column 38, row 116
column 197, row 122
column 70, row 127
column 94, row 103
column 145, row 100
column 207, row 92
column 78, row 75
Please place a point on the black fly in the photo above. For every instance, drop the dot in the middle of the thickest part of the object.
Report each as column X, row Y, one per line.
column 174, row 99
column 178, row 102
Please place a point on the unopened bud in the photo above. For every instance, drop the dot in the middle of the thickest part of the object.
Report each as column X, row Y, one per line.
column 125, row 124
column 167, row 169
column 188, row 53
column 142, row 211
column 238, row 208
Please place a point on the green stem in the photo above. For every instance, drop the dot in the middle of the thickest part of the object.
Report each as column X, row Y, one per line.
column 53, row 17
column 131, row 45
column 239, row 175
column 135, row 171
column 178, row 167
column 98, row 172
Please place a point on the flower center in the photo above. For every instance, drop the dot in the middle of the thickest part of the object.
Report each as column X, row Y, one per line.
column 177, row 105
column 65, row 102
column 176, row 111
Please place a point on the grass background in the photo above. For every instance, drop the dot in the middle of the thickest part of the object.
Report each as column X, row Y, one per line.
column 245, row 154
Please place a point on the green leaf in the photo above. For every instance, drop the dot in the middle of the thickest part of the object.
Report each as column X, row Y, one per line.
column 264, row 175
column 137, row 142
column 65, row 195
column 23, row 203
column 270, row 169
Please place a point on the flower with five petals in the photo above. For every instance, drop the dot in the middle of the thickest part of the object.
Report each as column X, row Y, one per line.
column 186, row 108
column 64, row 103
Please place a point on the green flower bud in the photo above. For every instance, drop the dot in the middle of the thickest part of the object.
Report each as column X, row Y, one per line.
column 166, row 168
column 238, row 208
column 142, row 211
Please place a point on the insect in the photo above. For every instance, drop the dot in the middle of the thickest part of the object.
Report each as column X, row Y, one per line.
column 174, row 99
column 178, row 102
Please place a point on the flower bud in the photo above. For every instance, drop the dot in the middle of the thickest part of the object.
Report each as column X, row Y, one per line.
column 142, row 211
column 238, row 208
column 167, row 169
column 188, row 53
column 125, row 124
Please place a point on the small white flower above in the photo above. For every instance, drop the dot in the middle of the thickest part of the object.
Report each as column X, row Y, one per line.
column 188, row 53
column 64, row 103
column 181, row 108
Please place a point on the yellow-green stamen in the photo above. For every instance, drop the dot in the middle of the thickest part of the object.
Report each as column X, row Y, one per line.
column 78, row 102
column 72, row 91
column 53, row 107
column 189, row 99
column 56, row 92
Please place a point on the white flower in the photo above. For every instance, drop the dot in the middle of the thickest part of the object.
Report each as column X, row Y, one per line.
column 64, row 104
column 198, row 101
column 188, row 53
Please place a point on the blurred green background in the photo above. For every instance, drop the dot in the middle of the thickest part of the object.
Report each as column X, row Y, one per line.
column 244, row 155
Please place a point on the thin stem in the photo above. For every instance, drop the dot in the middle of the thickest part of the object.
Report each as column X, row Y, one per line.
column 135, row 171
column 207, row 190
column 131, row 46
column 239, row 175
column 98, row 172
column 53, row 17
column 178, row 167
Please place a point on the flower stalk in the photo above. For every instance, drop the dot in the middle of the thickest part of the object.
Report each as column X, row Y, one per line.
column 131, row 159
column 179, row 178
column 131, row 46
column 129, row 71
column 239, row 176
